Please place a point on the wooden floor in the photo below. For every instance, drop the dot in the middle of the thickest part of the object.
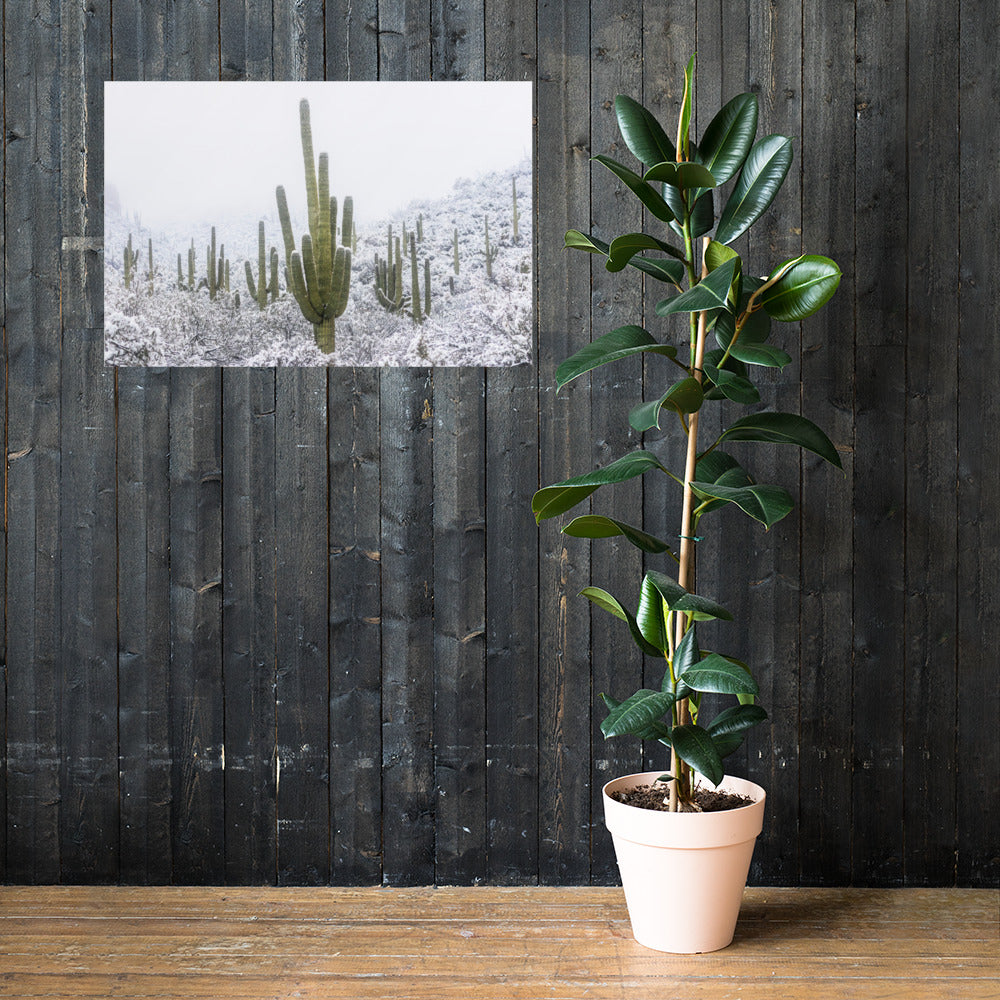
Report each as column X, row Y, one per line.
column 486, row 943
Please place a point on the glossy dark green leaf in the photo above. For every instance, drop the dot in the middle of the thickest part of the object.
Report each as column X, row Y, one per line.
column 685, row 656
column 715, row 674
column 765, row 355
column 804, row 289
column 551, row 501
column 575, row 240
column 732, row 386
column 625, row 342
column 642, row 133
column 623, row 248
column 605, row 601
column 679, row 599
column 596, row 526
column 729, row 136
column 712, row 292
column 694, row 746
column 671, row 271
column 762, row 175
column 637, row 713
column 643, row 191
column 651, row 617
column 767, row 504
column 681, row 175
column 713, row 358
column 736, row 719
column 727, row 743
column 684, row 396
column 703, row 215
column 718, row 467
column 783, row 428
column 756, row 329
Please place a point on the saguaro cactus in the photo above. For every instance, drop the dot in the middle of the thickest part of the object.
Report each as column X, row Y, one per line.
column 131, row 260
column 258, row 288
column 150, row 274
column 454, row 243
column 491, row 252
column 513, row 188
column 191, row 263
column 389, row 277
column 319, row 276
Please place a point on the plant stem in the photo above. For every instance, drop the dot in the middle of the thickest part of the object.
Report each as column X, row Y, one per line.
column 686, row 560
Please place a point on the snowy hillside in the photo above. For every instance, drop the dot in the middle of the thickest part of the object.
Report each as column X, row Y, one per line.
column 483, row 322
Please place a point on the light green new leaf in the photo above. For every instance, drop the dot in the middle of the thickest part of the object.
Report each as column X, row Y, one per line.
column 684, row 120
column 605, row 601
column 551, row 501
column 679, row 599
column 642, row 133
column 767, row 504
column 716, row 254
column 762, row 175
column 637, row 713
column 715, row 674
column 685, row 396
column 783, row 428
column 804, row 289
column 624, row 342
column 712, row 292
column 729, row 136
column 596, row 526
column 694, row 746
column 646, row 194
column 575, row 240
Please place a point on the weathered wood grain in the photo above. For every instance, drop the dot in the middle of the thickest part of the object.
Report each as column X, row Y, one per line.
column 977, row 710
column 35, row 668
column 880, row 316
column 828, row 183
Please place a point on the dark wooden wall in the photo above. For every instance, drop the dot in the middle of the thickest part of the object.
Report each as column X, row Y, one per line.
column 299, row 626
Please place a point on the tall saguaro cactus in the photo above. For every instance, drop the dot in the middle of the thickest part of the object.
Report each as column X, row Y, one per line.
column 258, row 288
column 131, row 260
column 319, row 276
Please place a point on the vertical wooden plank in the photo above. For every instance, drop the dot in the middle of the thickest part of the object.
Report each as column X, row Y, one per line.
column 512, row 543
column 407, row 552
column 457, row 46
column 195, row 539
column 978, row 707
column 880, row 441
column 3, row 534
column 143, row 448
column 355, row 550
column 564, row 447
column 773, row 595
column 303, row 796
column 931, row 450
column 827, row 499
column 32, row 204
column 302, row 540
column 249, row 638
column 668, row 43
column 616, row 299
column 88, row 661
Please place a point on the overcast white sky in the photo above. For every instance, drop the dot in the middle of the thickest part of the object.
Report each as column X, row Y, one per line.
column 188, row 152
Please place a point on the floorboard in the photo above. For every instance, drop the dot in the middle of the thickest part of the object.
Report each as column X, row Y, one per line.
column 533, row 942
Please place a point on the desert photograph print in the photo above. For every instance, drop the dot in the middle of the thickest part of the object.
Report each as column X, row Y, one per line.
column 315, row 224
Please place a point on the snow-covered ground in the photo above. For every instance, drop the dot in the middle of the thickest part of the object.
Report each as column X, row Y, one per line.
column 484, row 323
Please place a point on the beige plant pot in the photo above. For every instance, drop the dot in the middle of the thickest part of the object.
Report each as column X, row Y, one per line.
column 683, row 873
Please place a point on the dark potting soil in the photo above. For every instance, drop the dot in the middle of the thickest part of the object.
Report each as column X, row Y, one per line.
column 657, row 797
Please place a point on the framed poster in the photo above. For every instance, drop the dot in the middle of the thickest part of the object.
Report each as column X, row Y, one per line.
column 314, row 224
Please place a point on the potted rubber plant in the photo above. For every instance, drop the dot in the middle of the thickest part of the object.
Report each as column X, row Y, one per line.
column 684, row 836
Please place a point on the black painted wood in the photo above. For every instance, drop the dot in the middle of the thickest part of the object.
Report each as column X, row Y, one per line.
column 299, row 627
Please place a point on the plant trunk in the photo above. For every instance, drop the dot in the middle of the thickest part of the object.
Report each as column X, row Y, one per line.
column 680, row 786
column 324, row 334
